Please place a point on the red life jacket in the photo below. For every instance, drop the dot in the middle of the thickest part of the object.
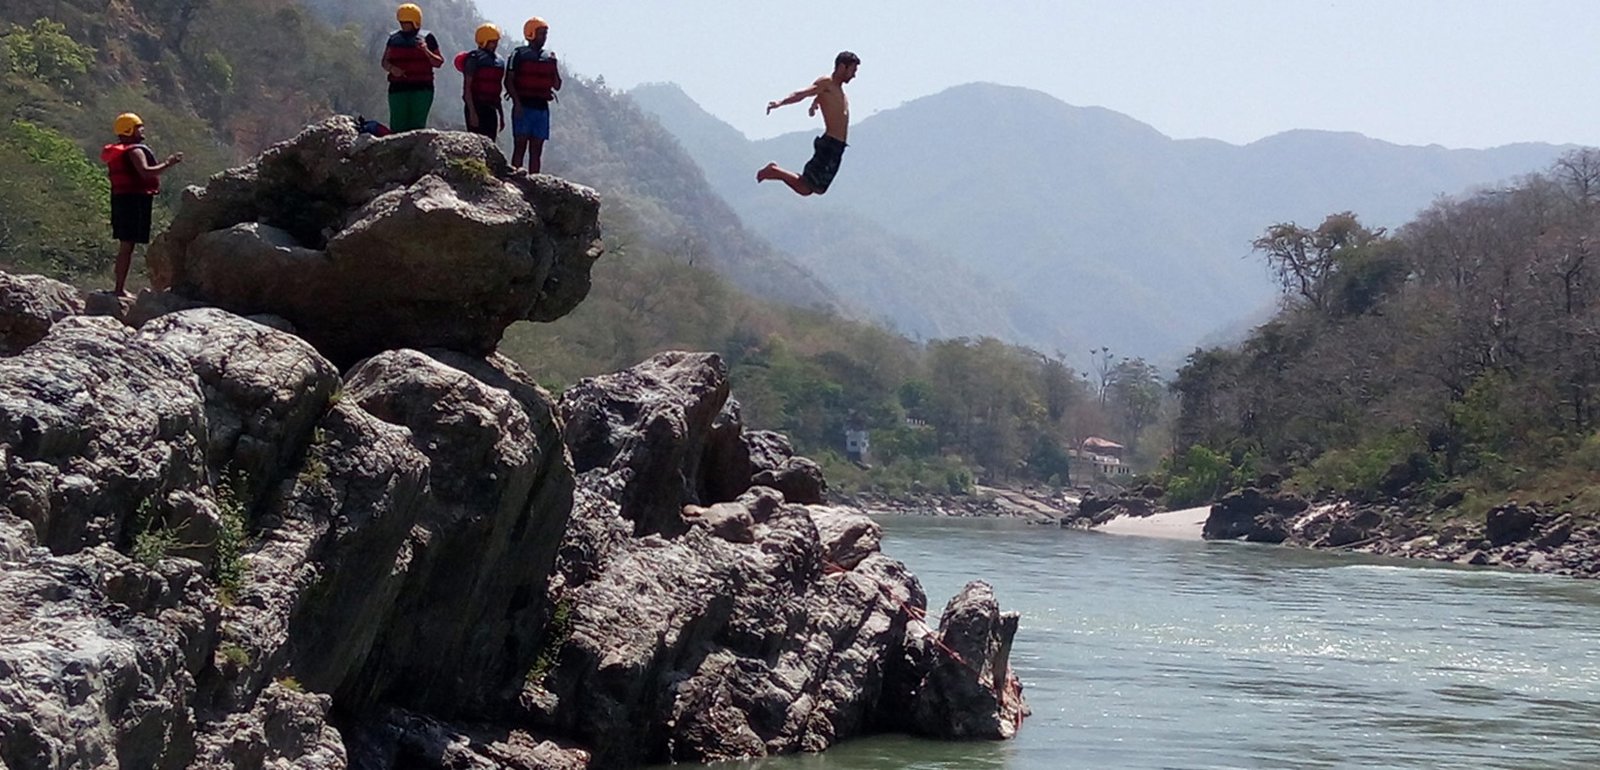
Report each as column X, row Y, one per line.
column 125, row 177
column 487, row 78
column 415, row 65
column 534, row 74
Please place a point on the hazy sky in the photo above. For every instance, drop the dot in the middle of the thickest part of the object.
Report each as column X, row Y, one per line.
column 1461, row 73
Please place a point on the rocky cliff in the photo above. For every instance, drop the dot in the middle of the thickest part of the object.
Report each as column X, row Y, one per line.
column 295, row 512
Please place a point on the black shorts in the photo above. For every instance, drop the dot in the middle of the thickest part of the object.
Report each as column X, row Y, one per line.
column 488, row 119
column 824, row 163
column 130, row 217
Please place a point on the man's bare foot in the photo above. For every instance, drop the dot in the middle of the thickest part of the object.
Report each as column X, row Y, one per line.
column 767, row 172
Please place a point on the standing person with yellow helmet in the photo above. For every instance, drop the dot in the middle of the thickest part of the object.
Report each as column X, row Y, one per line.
column 410, row 57
column 135, row 180
column 532, row 79
column 483, row 72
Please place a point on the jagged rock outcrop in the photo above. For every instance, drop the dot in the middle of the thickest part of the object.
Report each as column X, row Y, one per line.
column 399, row 566
column 341, row 532
column 393, row 534
column 967, row 688
column 98, row 656
column 420, row 239
column 98, row 423
column 702, row 643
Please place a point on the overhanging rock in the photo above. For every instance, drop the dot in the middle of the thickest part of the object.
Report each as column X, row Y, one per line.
column 420, row 239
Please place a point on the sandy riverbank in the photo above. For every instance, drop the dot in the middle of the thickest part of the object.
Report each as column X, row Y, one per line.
column 1173, row 525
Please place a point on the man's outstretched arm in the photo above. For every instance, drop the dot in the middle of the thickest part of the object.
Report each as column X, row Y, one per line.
column 798, row 96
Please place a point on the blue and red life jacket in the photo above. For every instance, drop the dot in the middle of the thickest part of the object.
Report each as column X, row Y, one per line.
column 125, row 177
column 416, row 67
column 534, row 74
column 487, row 72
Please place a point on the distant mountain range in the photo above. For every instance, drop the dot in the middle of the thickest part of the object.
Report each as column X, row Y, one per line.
column 988, row 209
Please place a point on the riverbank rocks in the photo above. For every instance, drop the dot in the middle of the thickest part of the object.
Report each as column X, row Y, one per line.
column 695, row 629
column 1092, row 511
column 1252, row 515
column 1528, row 536
column 420, row 239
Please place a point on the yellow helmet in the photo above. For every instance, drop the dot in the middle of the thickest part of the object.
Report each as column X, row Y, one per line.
column 409, row 12
column 486, row 33
column 126, row 123
column 533, row 26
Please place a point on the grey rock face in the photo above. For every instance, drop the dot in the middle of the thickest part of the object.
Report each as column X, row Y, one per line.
column 774, row 464
column 754, row 626
column 463, row 624
column 29, row 305
column 99, row 423
column 99, row 658
column 421, row 239
column 264, row 389
column 651, row 424
column 969, row 690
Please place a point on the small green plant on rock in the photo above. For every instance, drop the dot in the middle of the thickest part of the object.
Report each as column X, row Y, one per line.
column 556, row 633
column 235, row 655
column 151, row 543
column 230, row 566
column 471, row 168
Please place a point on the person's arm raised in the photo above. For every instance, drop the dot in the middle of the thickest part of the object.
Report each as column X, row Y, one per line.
column 798, row 96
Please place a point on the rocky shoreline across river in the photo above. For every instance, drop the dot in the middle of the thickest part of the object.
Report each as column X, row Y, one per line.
column 1532, row 537
column 1524, row 536
column 1037, row 505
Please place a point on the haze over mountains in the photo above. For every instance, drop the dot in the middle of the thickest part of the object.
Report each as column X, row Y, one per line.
column 988, row 209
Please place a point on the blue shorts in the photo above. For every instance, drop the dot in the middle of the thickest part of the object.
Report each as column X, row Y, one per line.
column 530, row 123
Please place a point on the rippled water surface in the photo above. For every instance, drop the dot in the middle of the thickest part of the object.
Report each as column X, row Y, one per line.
column 1141, row 653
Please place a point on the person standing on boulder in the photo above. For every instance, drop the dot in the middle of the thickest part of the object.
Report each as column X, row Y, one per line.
column 532, row 79
column 410, row 57
column 827, row 94
column 135, row 180
column 483, row 72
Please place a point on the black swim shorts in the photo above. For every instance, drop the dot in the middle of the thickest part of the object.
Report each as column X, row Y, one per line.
column 824, row 163
column 130, row 217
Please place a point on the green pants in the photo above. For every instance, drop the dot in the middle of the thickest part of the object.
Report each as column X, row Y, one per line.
column 408, row 110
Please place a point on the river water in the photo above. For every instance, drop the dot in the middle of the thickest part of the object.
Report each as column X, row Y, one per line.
column 1142, row 653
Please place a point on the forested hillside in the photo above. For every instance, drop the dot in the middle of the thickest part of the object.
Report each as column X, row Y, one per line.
column 215, row 79
column 221, row 79
column 1456, row 359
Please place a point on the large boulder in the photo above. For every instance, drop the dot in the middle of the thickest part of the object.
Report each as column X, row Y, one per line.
column 264, row 389
column 29, row 306
column 1509, row 523
column 420, row 239
column 1251, row 515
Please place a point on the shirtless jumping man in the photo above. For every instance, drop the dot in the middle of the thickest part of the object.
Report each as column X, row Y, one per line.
column 827, row 94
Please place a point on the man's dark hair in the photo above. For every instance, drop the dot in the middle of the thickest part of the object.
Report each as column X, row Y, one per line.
column 846, row 58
